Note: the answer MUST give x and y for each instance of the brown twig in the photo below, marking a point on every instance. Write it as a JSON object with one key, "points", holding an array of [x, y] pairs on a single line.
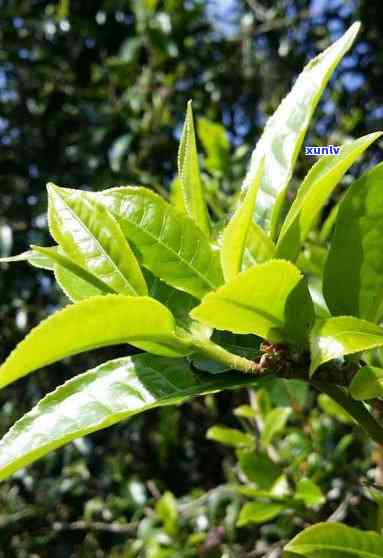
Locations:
{"points": [[118, 528]]}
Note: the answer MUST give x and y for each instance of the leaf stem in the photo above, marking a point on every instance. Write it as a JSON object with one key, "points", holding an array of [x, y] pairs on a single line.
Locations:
{"points": [[356, 409], [218, 353]]}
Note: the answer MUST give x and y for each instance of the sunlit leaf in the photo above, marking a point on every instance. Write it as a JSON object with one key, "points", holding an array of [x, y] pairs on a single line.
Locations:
{"points": [[112, 392], [92, 238], [353, 277], [167, 242], [367, 383], [282, 138], [259, 247], [245, 411], [275, 423], [216, 143], [332, 409], [309, 493], [314, 192], [259, 512], [73, 286], [32, 257], [189, 174], [333, 540], [335, 337], [235, 234], [270, 300], [68, 274], [167, 510], [230, 437], [93, 323], [176, 196]]}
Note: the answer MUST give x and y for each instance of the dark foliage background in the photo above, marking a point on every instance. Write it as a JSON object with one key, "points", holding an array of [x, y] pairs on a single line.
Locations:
{"points": [[92, 95]]}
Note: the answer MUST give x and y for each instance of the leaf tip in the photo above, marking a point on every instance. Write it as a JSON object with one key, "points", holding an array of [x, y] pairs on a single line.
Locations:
{"points": [[51, 187]]}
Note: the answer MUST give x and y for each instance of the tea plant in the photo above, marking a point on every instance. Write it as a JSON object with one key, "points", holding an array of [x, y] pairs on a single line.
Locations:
{"points": [[176, 284]]}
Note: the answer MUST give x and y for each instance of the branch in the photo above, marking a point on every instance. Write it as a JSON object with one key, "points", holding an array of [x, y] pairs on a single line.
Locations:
{"points": [[118, 528], [356, 409], [278, 359], [329, 378]]}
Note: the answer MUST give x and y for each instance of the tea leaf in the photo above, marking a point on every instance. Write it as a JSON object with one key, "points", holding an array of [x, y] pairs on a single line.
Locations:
{"points": [[235, 234], [367, 383], [270, 300], [333, 540], [93, 239], [314, 192], [167, 242], [96, 322], [110, 393], [283, 135], [335, 337], [189, 174], [353, 276]]}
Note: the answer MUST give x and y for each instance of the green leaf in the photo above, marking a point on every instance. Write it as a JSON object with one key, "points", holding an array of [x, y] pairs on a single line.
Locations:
{"points": [[259, 468], [189, 174], [333, 409], [353, 277], [179, 303], [167, 242], [314, 192], [259, 247], [258, 512], [329, 222], [335, 337], [166, 509], [367, 383], [112, 392], [275, 423], [74, 286], [216, 143], [309, 493], [235, 234], [287, 393], [230, 437], [93, 323], [92, 238], [176, 195], [92, 285], [315, 289], [245, 411], [37, 260], [76, 282], [270, 300], [283, 135], [333, 540]]}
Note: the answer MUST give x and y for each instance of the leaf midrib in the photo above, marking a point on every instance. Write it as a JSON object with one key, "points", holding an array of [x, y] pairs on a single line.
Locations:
{"points": [[171, 250], [108, 257], [161, 340], [183, 394], [253, 309]]}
